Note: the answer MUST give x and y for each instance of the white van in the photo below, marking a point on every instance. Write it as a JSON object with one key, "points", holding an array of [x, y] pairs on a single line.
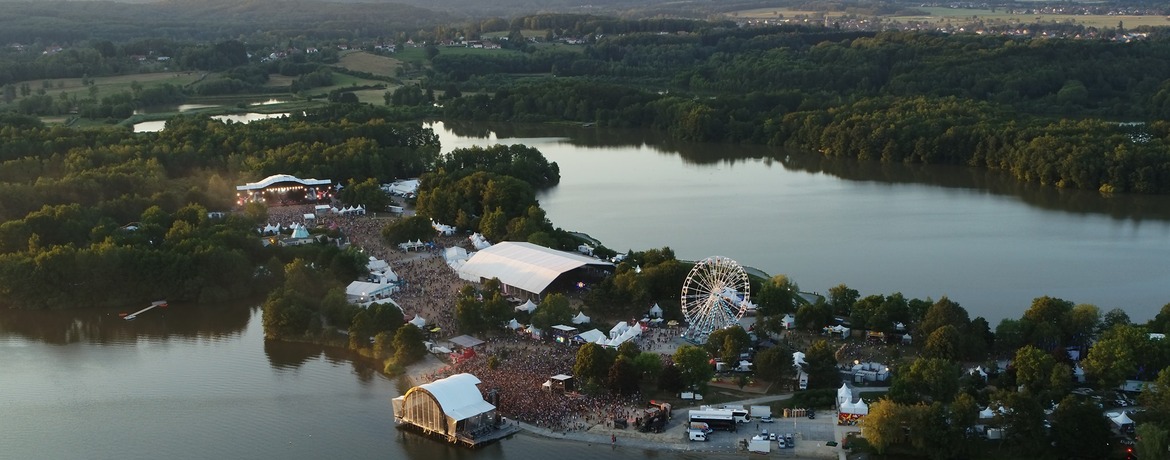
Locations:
{"points": [[696, 435]]}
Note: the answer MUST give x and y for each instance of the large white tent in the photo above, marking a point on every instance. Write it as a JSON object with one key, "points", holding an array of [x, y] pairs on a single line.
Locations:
{"points": [[655, 311], [618, 330], [591, 336], [1120, 419], [844, 395], [580, 318], [362, 291], [525, 266], [528, 306], [418, 321]]}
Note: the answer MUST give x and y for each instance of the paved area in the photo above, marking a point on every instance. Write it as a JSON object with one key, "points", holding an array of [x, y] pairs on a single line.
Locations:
{"points": [[810, 435]]}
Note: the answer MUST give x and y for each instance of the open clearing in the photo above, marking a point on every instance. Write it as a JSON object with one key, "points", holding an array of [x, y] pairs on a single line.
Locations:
{"points": [[964, 16], [967, 16], [783, 13], [362, 61], [110, 85]]}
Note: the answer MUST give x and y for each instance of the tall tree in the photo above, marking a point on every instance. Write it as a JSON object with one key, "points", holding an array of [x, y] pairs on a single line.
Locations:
{"points": [[693, 366], [1112, 359], [774, 365], [554, 309], [1153, 441], [408, 345], [593, 363], [1033, 368], [1080, 430], [882, 427], [649, 364], [842, 298], [943, 343], [821, 366], [623, 377]]}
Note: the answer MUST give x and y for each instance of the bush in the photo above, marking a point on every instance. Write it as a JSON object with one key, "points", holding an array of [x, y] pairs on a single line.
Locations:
{"points": [[813, 398]]}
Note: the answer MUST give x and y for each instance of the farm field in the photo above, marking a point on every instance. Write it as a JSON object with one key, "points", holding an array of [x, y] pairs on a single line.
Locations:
{"points": [[781, 13], [110, 85], [962, 16], [527, 33], [362, 61], [966, 16]]}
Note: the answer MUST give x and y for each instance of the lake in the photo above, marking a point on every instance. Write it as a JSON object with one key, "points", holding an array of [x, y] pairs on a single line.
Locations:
{"points": [[977, 236], [202, 383]]}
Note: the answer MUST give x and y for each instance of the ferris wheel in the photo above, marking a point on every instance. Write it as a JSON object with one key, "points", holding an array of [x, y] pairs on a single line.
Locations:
{"points": [[714, 296]]}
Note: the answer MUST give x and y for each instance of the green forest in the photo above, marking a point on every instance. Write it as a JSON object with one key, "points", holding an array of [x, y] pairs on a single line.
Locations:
{"points": [[110, 217], [1065, 113]]}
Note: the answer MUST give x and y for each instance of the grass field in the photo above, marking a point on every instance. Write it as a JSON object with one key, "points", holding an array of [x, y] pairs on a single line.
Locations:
{"points": [[966, 16], [962, 16], [362, 61], [527, 33], [782, 13], [110, 85], [279, 80]]}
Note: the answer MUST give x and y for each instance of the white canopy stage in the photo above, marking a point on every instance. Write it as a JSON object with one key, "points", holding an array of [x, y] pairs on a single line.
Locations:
{"points": [[524, 266], [465, 341], [450, 407], [402, 187], [513, 324], [1120, 419], [418, 321]]}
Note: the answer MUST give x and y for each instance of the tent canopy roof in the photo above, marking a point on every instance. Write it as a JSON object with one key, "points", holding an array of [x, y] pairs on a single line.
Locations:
{"points": [[466, 341], [458, 396], [279, 178], [524, 265]]}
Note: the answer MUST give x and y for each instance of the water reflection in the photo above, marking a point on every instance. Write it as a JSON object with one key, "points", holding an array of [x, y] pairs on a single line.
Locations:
{"points": [[1126, 207], [104, 326], [290, 355]]}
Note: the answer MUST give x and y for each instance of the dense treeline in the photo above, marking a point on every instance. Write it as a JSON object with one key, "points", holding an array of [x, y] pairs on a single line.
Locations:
{"points": [[997, 102], [113, 217], [60, 21], [102, 57]]}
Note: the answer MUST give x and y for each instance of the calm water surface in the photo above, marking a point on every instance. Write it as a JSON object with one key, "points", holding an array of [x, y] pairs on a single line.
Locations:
{"points": [[158, 125], [977, 236], [202, 383]]}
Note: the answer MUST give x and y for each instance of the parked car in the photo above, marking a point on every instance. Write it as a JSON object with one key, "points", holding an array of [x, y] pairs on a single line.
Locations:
{"points": [[780, 444], [772, 437], [766, 419], [788, 440], [812, 414]]}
